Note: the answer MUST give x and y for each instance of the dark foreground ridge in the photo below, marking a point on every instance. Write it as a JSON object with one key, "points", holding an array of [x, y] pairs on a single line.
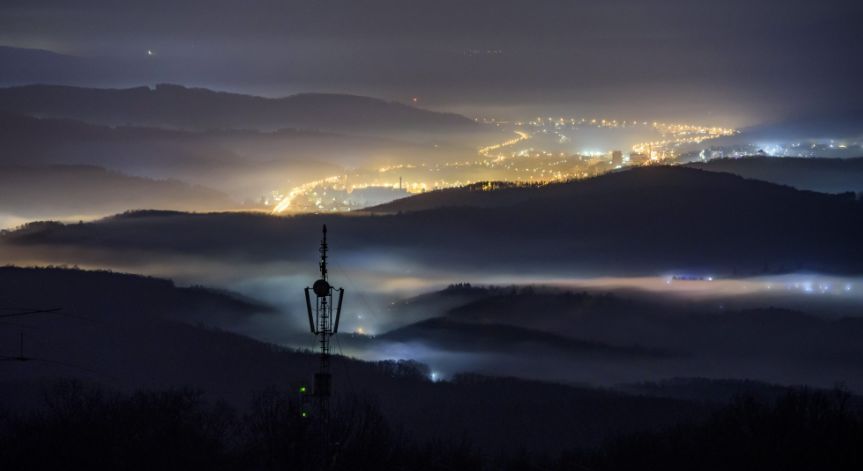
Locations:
{"points": [[88, 428]]}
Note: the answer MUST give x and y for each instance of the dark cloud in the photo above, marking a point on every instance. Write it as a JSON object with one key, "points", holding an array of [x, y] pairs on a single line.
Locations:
{"points": [[633, 57]]}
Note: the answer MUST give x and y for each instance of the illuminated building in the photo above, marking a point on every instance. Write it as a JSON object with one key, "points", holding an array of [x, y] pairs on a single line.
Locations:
{"points": [[616, 158]]}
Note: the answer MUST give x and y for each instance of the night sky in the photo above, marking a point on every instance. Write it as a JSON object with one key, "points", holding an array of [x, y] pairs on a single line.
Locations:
{"points": [[733, 61]]}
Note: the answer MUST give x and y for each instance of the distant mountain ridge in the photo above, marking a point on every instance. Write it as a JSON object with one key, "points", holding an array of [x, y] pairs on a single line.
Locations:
{"points": [[242, 163], [167, 105]]}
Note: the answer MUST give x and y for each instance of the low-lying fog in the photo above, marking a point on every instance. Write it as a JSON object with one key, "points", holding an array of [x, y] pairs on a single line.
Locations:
{"points": [[566, 326], [664, 326], [369, 298], [785, 329]]}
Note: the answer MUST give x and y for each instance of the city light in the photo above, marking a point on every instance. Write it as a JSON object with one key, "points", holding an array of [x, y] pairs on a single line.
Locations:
{"points": [[514, 160]]}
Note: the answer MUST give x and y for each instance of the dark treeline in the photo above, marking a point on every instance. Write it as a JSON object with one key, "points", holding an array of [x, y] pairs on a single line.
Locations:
{"points": [[81, 427], [801, 430]]}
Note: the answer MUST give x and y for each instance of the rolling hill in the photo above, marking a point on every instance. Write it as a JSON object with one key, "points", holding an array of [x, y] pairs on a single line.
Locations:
{"points": [[242, 163], [641, 221]]}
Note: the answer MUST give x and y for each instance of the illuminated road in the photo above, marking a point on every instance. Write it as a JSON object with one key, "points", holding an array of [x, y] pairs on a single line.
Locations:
{"points": [[520, 136]]}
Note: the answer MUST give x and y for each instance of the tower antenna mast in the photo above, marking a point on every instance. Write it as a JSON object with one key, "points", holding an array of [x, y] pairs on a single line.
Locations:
{"points": [[324, 325]]}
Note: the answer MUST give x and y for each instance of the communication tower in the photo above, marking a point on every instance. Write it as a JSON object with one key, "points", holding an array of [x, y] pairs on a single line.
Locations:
{"points": [[324, 325]]}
